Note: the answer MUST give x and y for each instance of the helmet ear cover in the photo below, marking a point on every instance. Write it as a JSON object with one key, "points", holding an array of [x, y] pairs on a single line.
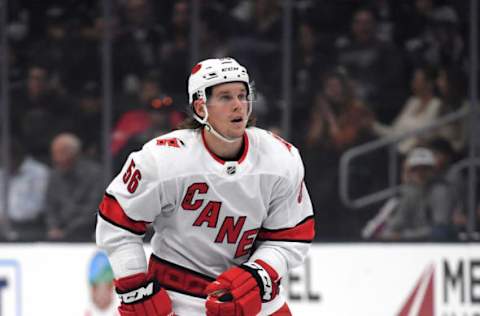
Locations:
{"points": [[196, 96]]}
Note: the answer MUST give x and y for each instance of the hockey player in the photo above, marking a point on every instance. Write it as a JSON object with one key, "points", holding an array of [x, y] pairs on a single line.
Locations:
{"points": [[228, 204]]}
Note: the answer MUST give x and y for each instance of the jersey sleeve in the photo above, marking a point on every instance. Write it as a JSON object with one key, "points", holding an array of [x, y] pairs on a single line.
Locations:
{"points": [[286, 234], [132, 201]]}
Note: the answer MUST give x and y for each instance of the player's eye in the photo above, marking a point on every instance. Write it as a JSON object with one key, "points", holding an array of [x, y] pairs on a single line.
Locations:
{"points": [[225, 97]]}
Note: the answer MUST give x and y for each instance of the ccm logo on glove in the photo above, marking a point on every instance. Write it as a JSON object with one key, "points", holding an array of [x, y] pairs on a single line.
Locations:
{"points": [[263, 279], [141, 295], [137, 294]]}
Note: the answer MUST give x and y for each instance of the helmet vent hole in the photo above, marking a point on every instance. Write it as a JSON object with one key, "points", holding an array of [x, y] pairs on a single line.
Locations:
{"points": [[224, 77]]}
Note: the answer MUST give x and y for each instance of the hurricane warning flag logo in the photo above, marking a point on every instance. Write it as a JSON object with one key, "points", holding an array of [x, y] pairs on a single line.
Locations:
{"points": [[421, 300]]}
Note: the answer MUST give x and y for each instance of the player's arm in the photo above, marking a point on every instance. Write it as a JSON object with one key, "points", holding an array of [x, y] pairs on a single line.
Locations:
{"points": [[132, 201], [287, 233], [281, 245]]}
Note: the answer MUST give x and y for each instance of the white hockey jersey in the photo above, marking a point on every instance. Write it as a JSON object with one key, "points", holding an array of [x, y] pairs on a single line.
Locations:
{"points": [[208, 214]]}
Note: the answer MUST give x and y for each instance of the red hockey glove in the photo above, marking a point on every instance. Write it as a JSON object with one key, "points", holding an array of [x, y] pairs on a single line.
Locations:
{"points": [[241, 290], [142, 297]]}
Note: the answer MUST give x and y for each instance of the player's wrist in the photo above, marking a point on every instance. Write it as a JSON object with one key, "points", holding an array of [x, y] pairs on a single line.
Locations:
{"points": [[140, 294], [136, 288], [265, 276]]}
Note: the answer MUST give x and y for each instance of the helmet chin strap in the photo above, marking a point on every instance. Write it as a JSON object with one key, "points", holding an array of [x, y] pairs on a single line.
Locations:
{"points": [[210, 128]]}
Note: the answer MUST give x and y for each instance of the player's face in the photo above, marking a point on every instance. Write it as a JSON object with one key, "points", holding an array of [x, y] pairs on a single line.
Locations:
{"points": [[228, 109]]}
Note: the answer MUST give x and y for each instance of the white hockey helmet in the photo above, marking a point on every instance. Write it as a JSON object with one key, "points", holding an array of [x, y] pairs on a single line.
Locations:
{"points": [[211, 72]]}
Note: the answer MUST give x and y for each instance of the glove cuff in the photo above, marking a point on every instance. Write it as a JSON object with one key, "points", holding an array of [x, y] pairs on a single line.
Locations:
{"points": [[136, 288], [271, 271], [265, 277]]}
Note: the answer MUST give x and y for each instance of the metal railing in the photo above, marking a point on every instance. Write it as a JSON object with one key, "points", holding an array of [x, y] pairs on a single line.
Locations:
{"points": [[393, 185], [470, 163]]}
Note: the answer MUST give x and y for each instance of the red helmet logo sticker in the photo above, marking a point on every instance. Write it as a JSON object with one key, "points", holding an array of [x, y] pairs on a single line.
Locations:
{"points": [[196, 68]]}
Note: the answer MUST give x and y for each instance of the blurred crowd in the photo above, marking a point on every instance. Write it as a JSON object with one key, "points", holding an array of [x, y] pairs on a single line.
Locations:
{"points": [[362, 70]]}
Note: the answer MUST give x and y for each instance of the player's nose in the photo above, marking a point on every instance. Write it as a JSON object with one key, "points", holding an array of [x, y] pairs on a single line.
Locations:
{"points": [[238, 103]]}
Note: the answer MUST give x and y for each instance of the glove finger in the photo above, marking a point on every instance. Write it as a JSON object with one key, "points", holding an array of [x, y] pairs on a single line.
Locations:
{"points": [[125, 312], [250, 304], [162, 302], [217, 308], [245, 287], [132, 310], [240, 279], [150, 308], [227, 309], [141, 309], [216, 286]]}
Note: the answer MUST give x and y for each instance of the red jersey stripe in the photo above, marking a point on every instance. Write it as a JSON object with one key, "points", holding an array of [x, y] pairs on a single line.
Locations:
{"points": [[112, 212], [302, 232]]}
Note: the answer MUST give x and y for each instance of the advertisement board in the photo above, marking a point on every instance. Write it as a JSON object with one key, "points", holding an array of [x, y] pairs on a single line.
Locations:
{"points": [[336, 280], [388, 280]]}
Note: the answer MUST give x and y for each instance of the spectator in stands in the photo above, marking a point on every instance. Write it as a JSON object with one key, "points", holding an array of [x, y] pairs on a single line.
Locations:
{"points": [[338, 121], [74, 191], [139, 40], [102, 301], [425, 205], [444, 154], [176, 51], [256, 41], [433, 35], [310, 62], [138, 118], [134, 118], [37, 112], [385, 13], [451, 86], [161, 119], [375, 65], [26, 194], [421, 109], [55, 47], [88, 112]]}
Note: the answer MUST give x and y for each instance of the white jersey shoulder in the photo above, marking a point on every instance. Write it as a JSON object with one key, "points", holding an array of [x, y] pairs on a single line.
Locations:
{"points": [[275, 155], [173, 153]]}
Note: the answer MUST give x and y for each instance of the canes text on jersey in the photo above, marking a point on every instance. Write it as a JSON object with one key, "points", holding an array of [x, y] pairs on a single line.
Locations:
{"points": [[209, 214]]}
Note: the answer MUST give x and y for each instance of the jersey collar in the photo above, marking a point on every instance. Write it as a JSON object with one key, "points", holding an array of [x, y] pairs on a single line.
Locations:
{"points": [[220, 160]]}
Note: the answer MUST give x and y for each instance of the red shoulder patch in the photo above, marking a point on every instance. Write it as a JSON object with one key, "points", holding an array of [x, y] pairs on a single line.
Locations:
{"points": [[170, 142]]}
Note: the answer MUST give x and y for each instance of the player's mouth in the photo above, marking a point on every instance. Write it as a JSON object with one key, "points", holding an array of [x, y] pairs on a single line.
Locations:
{"points": [[237, 120]]}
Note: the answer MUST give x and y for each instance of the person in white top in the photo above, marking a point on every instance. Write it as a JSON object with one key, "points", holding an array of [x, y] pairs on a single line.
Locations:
{"points": [[26, 195], [420, 109], [227, 202]]}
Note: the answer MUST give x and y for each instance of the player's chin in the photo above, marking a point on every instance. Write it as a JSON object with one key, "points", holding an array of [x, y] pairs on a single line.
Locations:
{"points": [[237, 131]]}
